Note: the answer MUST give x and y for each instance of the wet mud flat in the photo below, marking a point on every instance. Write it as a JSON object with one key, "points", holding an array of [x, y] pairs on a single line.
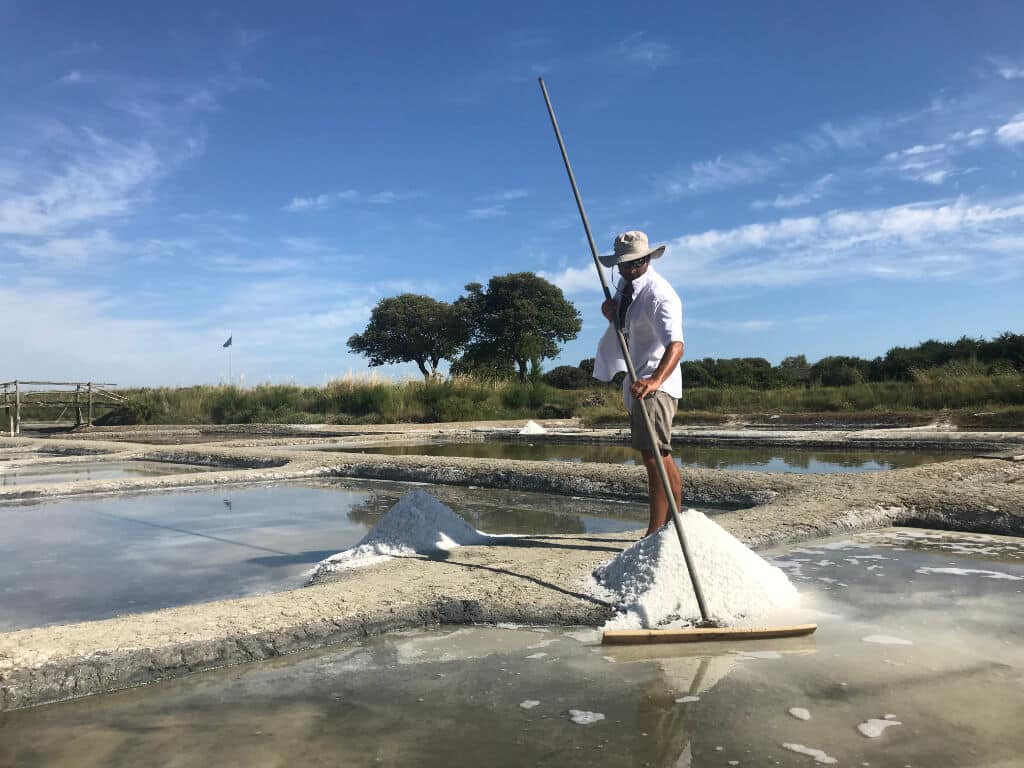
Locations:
{"points": [[538, 580], [914, 663]]}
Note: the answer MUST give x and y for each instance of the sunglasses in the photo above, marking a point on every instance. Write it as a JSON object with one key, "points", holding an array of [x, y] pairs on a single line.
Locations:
{"points": [[629, 266]]}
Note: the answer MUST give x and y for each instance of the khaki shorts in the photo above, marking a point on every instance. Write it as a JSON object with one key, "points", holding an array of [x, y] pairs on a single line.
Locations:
{"points": [[661, 407]]}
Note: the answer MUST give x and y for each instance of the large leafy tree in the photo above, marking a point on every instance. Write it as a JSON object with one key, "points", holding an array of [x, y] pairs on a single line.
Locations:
{"points": [[412, 328], [520, 318]]}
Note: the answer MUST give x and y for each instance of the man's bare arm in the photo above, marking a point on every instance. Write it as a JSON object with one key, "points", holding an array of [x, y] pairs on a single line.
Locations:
{"points": [[673, 354]]}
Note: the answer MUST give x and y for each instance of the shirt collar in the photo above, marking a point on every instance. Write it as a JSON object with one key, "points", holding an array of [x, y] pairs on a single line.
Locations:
{"points": [[640, 283]]}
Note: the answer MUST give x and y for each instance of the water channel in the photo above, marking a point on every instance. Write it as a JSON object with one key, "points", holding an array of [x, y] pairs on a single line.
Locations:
{"points": [[917, 662], [759, 458]]}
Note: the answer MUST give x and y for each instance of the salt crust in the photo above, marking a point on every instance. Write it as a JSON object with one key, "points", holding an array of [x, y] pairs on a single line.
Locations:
{"points": [[533, 428], [649, 585], [417, 524]]}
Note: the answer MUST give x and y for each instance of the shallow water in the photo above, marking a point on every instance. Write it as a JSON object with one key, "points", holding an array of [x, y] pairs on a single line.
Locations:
{"points": [[92, 470], [84, 559], [761, 459], [456, 697]]}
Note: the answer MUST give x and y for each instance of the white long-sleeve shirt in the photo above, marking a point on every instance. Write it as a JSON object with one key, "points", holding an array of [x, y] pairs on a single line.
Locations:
{"points": [[653, 321]]}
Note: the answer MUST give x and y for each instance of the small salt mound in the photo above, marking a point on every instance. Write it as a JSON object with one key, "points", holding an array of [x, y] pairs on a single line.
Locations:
{"points": [[532, 428], [417, 524], [651, 588]]}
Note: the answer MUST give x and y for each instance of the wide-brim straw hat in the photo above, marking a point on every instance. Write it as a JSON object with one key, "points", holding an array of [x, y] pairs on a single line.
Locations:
{"points": [[630, 246]]}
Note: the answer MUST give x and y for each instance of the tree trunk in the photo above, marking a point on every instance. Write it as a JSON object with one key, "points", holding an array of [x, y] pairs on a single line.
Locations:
{"points": [[423, 368], [522, 371]]}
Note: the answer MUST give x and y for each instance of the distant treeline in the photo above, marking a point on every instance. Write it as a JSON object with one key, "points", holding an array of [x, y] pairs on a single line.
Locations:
{"points": [[1003, 355]]}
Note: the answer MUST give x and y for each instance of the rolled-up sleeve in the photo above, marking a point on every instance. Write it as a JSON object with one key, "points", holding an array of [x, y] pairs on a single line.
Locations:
{"points": [[668, 319]]}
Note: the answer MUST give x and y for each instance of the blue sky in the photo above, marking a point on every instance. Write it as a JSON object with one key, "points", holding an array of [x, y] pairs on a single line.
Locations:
{"points": [[829, 180]]}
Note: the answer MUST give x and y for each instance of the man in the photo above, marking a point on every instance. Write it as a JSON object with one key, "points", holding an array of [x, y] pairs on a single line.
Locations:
{"points": [[651, 317]]}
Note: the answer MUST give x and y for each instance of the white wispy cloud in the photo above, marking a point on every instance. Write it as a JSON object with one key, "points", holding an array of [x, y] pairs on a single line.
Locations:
{"points": [[927, 240], [730, 325], [104, 178], [638, 50], [1007, 68], [487, 212], [322, 201], [508, 194], [723, 172], [326, 200], [69, 252], [811, 192], [1012, 132]]}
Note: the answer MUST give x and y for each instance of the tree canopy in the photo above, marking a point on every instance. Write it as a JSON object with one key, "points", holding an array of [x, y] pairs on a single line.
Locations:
{"points": [[520, 318], [412, 328]]}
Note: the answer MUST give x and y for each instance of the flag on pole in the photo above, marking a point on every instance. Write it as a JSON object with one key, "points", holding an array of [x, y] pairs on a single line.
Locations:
{"points": [[228, 342]]}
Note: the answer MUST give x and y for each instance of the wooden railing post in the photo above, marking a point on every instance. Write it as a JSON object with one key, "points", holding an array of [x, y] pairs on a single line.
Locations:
{"points": [[16, 425]]}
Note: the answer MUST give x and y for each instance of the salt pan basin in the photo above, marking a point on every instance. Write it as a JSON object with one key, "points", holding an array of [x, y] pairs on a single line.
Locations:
{"points": [[506, 696], [91, 558]]}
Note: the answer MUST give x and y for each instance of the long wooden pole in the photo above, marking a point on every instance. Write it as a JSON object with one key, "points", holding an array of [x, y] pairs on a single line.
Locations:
{"points": [[662, 474], [17, 406]]}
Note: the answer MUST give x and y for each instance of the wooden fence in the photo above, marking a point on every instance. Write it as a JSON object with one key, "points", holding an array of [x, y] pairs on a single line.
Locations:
{"points": [[82, 397]]}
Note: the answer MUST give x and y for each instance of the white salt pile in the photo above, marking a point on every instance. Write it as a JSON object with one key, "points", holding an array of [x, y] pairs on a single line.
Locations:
{"points": [[532, 428], [417, 524], [800, 713], [650, 586]]}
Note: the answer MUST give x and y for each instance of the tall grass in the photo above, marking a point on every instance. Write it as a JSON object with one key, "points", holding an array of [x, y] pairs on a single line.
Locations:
{"points": [[362, 401], [348, 401]]}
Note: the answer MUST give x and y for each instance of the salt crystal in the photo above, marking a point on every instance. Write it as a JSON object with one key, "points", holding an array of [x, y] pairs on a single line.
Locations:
{"points": [[873, 728], [818, 755], [687, 699], [540, 655], [582, 717], [529, 703], [800, 713]]}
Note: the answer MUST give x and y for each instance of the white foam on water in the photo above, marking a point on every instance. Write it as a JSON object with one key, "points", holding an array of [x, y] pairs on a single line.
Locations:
{"points": [[886, 640], [417, 524], [971, 572], [529, 703], [585, 636], [758, 654], [533, 428], [650, 586], [874, 727], [687, 699], [582, 717], [818, 754], [800, 713]]}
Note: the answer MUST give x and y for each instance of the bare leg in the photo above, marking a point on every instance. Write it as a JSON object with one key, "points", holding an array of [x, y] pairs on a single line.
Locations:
{"points": [[657, 500]]}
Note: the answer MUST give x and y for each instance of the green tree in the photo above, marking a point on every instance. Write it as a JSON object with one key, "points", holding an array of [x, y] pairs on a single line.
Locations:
{"points": [[412, 328], [520, 318]]}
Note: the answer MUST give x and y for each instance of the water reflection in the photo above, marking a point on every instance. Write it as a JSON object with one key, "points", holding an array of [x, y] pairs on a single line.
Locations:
{"points": [[99, 470], [763, 459], [87, 559]]}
